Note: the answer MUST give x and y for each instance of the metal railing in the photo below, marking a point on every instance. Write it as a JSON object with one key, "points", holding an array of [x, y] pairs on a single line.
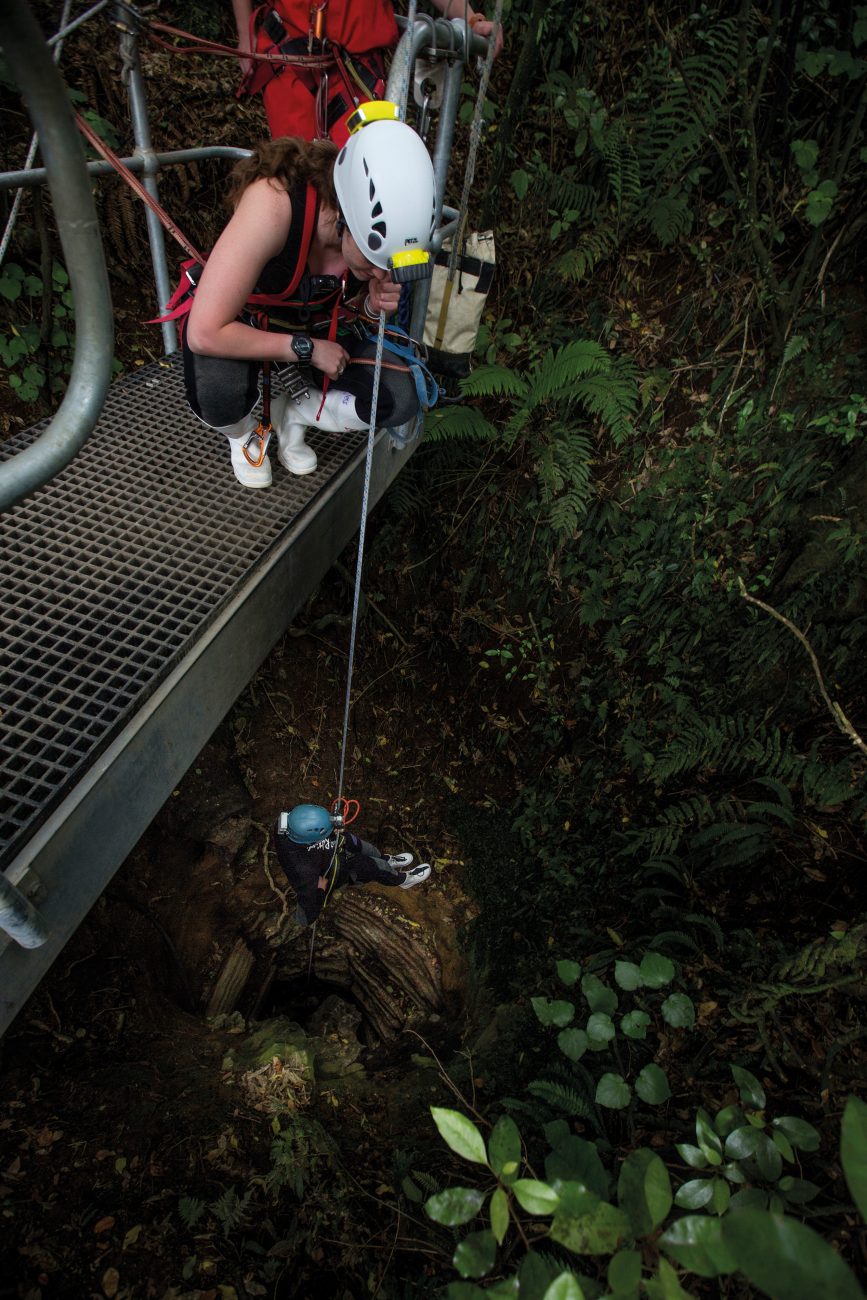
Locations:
{"points": [[447, 45]]}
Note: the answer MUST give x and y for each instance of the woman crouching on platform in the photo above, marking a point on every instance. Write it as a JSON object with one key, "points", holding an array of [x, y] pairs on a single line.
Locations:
{"points": [[353, 211]]}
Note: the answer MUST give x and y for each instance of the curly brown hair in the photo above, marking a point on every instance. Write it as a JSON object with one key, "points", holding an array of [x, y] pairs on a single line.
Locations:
{"points": [[290, 161]]}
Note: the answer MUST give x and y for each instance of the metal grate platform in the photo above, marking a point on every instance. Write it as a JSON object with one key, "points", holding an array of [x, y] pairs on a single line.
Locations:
{"points": [[112, 570]]}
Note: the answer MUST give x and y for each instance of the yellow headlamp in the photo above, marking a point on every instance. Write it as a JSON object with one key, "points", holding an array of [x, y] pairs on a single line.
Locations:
{"points": [[374, 110], [412, 264]]}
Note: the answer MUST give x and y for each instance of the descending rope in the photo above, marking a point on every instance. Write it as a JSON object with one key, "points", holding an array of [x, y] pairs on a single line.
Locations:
{"points": [[368, 465]]}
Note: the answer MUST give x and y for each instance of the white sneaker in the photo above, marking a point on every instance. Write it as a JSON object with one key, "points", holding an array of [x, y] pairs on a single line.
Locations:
{"points": [[416, 876], [252, 476], [400, 861]]}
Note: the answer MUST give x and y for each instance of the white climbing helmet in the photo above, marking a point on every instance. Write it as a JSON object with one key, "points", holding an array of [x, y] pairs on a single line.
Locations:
{"points": [[385, 185]]}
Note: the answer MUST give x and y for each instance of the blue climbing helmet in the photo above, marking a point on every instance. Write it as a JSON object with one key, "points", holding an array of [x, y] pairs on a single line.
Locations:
{"points": [[308, 823]]}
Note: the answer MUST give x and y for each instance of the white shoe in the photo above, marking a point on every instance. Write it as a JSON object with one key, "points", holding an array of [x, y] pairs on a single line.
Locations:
{"points": [[291, 420], [247, 475], [251, 476], [416, 876], [400, 861]]}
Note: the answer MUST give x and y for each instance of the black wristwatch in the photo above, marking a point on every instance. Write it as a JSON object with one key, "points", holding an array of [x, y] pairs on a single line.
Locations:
{"points": [[302, 346]]}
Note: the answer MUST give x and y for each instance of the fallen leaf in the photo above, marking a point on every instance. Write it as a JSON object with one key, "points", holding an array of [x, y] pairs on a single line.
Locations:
{"points": [[132, 1235], [104, 1225], [110, 1282]]}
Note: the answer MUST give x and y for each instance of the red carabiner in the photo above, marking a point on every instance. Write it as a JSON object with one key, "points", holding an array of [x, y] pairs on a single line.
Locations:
{"points": [[346, 809]]}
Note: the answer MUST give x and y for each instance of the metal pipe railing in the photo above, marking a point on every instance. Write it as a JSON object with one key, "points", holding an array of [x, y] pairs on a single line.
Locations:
{"points": [[42, 90]]}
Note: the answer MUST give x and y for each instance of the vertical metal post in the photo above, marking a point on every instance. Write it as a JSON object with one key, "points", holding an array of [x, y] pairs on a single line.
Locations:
{"points": [[132, 76]]}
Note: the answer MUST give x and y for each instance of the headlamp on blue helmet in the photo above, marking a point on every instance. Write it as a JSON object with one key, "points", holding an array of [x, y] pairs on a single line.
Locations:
{"points": [[307, 823]]}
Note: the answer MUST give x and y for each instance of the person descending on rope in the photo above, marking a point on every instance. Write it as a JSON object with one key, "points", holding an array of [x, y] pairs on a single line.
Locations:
{"points": [[317, 859], [358, 215]]}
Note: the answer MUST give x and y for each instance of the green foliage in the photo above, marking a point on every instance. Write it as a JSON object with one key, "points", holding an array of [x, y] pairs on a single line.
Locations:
{"points": [[776, 1253], [36, 346]]}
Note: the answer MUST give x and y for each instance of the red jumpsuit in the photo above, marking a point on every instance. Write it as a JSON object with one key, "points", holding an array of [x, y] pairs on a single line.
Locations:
{"points": [[364, 28]]}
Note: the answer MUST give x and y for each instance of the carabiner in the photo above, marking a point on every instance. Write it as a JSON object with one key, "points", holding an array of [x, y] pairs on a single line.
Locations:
{"points": [[263, 437]]}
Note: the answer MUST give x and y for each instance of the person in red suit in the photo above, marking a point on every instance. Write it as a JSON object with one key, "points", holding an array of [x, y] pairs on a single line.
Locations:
{"points": [[361, 32]]}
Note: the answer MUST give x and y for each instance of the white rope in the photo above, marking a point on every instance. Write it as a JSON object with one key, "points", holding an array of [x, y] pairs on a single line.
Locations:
{"points": [[403, 97], [380, 339]]}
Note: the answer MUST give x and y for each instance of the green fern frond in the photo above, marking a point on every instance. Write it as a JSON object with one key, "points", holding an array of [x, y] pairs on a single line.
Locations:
{"points": [[458, 422], [710, 924], [669, 217], [537, 1114], [592, 248], [666, 937], [565, 194], [557, 374], [493, 380], [613, 398], [560, 1097]]}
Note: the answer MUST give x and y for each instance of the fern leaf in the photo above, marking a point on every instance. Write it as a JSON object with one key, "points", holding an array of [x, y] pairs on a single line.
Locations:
{"points": [[488, 381], [560, 1097], [458, 422]]}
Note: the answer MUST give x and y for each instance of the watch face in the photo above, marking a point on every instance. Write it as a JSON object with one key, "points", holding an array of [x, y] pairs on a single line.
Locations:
{"points": [[302, 346]]}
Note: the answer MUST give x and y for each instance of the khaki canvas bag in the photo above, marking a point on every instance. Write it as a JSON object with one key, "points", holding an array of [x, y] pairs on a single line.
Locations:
{"points": [[453, 317]]}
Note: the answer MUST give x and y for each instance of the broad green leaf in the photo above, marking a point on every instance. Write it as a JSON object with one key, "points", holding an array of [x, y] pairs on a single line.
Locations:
{"points": [[752, 1092], [460, 1134], [751, 1198], [499, 1215], [801, 1134], [534, 1196], [454, 1206], [535, 1275], [797, 1191], [558, 1012], [656, 970], [786, 1259], [463, 1291], [806, 153], [624, 1270], [820, 201], [853, 1151], [504, 1148], [722, 1195], [555, 1131], [599, 996], [574, 1197], [652, 1085], [573, 1043], [568, 972], [783, 1145], [598, 1233], [696, 1242], [627, 975], [476, 1254], [693, 1156], [753, 1145], [678, 1011], [728, 1119], [505, 1289], [694, 1194], [707, 1137], [564, 1287], [574, 1159], [666, 1284], [644, 1190], [613, 1092], [520, 182], [600, 1029], [634, 1024]]}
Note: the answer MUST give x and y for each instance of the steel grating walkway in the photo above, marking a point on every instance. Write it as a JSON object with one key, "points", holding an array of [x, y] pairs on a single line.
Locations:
{"points": [[140, 590]]}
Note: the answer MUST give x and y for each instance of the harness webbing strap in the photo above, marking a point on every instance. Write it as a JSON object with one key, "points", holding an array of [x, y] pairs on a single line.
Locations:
{"points": [[133, 181]]}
